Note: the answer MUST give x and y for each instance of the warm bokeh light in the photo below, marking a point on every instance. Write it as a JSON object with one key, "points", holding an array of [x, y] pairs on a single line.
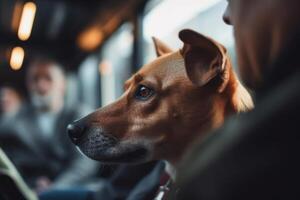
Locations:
{"points": [[105, 67], [27, 20], [90, 39], [16, 58]]}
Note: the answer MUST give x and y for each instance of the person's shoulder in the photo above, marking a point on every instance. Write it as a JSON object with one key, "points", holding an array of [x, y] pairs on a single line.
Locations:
{"points": [[242, 141]]}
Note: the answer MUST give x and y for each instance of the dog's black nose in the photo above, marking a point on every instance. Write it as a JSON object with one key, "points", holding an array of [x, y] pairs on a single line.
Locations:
{"points": [[75, 131]]}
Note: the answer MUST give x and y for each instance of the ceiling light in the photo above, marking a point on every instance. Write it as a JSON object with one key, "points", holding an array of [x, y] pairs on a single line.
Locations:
{"points": [[26, 21], [16, 58]]}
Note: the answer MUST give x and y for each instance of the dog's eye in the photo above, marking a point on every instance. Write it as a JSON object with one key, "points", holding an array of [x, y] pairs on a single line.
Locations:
{"points": [[143, 93]]}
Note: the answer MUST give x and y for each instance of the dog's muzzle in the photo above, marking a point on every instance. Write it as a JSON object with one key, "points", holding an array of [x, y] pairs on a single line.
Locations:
{"points": [[91, 140], [99, 145]]}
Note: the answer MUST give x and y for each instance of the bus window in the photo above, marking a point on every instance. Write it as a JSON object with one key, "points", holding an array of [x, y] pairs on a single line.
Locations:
{"points": [[88, 79], [115, 63], [202, 16]]}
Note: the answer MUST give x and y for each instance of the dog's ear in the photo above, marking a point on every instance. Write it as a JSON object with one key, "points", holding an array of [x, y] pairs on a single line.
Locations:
{"points": [[160, 47], [204, 58]]}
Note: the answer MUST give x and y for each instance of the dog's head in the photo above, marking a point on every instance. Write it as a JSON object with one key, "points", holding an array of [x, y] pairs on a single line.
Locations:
{"points": [[165, 106]]}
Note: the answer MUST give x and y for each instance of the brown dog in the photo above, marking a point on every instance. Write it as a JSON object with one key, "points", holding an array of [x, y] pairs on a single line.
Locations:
{"points": [[166, 105]]}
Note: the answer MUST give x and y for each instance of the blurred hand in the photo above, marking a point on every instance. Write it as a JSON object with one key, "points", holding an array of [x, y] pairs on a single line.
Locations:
{"points": [[42, 184]]}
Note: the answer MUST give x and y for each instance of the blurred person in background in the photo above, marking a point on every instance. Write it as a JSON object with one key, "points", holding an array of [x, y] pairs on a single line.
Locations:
{"points": [[37, 142], [255, 155], [10, 103]]}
